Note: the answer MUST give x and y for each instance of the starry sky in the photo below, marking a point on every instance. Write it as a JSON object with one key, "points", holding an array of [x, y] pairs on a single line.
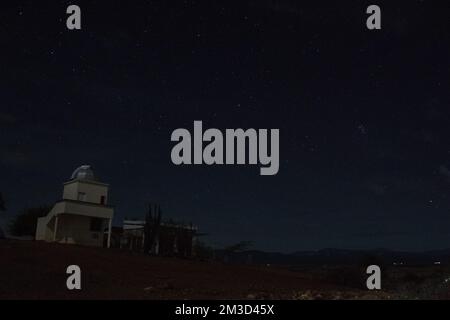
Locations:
{"points": [[363, 115]]}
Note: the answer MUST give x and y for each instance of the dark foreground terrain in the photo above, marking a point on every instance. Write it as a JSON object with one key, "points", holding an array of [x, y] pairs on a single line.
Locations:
{"points": [[36, 270]]}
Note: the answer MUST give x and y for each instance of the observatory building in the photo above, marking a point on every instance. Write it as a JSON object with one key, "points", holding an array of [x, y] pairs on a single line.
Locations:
{"points": [[83, 214]]}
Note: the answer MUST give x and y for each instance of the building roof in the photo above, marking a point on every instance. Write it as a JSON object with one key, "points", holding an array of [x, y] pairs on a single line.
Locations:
{"points": [[83, 172], [139, 224]]}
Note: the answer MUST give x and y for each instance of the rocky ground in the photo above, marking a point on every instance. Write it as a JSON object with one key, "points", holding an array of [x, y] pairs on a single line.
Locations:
{"points": [[36, 270]]}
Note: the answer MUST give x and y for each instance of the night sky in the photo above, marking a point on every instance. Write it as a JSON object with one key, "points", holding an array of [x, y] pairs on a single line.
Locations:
{"points": [[364, 116]]}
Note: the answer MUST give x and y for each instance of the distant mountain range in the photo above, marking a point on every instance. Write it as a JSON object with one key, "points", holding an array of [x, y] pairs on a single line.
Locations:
{"points": [[332, 256]]}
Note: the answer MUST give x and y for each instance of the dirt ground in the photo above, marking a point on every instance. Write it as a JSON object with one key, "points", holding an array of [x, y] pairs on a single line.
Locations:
{"points": [[37, 270]]}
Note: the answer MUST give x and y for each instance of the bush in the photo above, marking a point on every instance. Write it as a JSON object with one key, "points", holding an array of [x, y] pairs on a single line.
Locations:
{"points": [[346, 276], [202, 251]]}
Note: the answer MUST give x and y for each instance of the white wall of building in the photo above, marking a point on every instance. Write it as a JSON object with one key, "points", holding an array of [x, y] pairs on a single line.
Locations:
{"points": [[71, 217], [91, 191], [75, 229]]}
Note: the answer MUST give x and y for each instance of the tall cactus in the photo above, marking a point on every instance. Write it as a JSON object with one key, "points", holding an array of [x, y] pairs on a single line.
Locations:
{"points": [[151, 228]]}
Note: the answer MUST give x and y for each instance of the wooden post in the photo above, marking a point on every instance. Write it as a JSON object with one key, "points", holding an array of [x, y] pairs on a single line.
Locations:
{"points": [[109, 232], [55, 228]]}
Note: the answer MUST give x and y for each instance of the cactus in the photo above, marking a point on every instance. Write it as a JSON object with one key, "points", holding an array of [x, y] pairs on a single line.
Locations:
{"points": [[151, 228]]}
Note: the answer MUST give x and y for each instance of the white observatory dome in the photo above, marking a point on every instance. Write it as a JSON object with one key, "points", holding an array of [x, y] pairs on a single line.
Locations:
{"points": [[83, 173]]}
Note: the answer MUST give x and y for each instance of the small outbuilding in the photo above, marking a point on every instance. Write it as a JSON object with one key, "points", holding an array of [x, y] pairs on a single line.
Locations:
{"points": [[171, 238]]}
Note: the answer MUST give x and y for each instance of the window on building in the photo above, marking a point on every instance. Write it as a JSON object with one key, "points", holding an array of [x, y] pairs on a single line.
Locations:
{"points": [[81, 196], [102, 200], [96, 224]]}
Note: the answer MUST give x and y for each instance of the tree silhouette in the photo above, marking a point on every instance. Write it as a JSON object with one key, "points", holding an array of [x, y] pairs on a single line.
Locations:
{"points": [[239, 247], [24, 224]]}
